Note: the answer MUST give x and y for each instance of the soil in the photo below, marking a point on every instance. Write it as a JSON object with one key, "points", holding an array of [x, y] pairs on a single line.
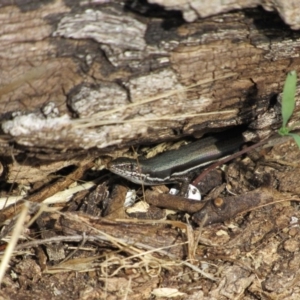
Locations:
{"points": [[90, 248]]}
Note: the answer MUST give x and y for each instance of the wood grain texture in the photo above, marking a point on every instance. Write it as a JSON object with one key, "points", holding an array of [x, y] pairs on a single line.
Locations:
{"points": [[106, 76], [191, 10]]}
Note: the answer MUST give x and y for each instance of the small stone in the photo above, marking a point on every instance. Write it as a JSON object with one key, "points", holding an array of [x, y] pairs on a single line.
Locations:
{"points": [[291, 245]]}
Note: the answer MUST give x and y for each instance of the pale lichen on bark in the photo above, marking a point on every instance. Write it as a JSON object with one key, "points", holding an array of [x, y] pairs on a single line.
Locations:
{"points": [[118, 77]]}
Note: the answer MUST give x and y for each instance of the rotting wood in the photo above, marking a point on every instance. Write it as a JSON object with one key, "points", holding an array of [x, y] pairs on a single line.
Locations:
{"points": [[221, 209], [191, 10], [254, 48], [131, 232], [234, 63], [173, 202]]}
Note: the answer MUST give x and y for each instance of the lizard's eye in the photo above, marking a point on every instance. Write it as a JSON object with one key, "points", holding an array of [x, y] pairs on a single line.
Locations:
{"points": [[130, 167]]}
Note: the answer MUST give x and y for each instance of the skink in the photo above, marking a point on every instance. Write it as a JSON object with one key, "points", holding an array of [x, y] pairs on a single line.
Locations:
{"points": [[176, 165]]}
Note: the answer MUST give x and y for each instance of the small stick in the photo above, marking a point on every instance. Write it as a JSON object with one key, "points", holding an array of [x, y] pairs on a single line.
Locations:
{"points": [[47, 191]]}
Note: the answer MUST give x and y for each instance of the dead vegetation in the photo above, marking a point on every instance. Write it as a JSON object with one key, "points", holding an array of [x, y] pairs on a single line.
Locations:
{"points": [[87, 249], [65, 232]]}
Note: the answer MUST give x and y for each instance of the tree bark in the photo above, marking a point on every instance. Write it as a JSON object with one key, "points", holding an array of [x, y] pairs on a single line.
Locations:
{"points": [[97, 76]]}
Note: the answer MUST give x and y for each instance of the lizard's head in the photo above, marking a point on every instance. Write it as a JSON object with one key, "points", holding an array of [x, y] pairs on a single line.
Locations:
{"points": [[127, 168]]}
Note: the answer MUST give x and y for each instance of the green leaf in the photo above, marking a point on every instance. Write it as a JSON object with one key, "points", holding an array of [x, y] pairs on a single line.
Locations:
{"points": [[296, 138], [284, 131], [288, 97]]}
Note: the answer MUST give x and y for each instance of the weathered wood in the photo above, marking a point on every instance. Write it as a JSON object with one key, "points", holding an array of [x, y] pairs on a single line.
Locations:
{"points": [[78, 80], [132, 233], [191, 10], [100, 76]]}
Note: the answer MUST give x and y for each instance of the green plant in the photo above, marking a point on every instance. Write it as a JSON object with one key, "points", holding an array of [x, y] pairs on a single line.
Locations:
{"points": [[288, 105]]}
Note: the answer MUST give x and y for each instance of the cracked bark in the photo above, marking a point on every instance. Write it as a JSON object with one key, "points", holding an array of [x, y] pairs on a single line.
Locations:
{"points": [[99, 77]]}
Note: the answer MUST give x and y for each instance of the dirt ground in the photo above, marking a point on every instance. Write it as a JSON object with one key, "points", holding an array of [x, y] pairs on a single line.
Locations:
{"points": [[89, 248]]}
